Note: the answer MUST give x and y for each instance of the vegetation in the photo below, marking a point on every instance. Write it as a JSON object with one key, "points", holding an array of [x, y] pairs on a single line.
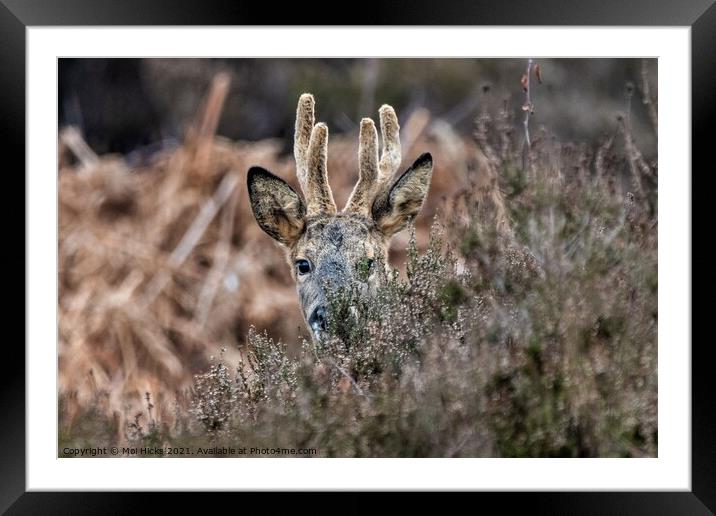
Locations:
{"points": [[527, 327]]}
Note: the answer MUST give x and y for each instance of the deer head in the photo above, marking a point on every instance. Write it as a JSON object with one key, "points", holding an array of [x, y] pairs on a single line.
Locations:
{"points": [[330, 250]]}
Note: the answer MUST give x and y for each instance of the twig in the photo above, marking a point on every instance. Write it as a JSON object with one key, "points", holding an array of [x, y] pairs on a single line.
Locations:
{"points": [[527, 107], [191, 237]]}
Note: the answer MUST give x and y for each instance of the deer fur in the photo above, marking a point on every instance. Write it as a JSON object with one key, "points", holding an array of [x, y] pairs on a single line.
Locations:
{"points": [[325, 247]]}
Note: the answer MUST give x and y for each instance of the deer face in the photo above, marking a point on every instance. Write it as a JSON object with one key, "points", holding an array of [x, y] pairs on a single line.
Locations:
{"points": [[334, 253], [330, 251]]}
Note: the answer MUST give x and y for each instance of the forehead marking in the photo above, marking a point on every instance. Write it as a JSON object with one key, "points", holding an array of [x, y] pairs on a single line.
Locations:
{"points": [[334, 234], [333, 230]]}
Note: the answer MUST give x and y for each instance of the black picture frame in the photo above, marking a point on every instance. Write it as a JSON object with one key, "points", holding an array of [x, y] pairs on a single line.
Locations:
{"points": [[17, 15]]}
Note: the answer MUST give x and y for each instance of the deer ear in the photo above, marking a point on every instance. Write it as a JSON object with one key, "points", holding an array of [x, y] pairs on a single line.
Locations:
{"points": [[393, 209], [278, 209]]}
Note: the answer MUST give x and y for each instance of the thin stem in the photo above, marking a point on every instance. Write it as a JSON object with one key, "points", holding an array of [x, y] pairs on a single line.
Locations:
{"points": [[528, 104]]}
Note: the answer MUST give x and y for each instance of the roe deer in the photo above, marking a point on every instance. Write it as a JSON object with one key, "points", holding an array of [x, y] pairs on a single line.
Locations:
{"points": [[328, 250]]}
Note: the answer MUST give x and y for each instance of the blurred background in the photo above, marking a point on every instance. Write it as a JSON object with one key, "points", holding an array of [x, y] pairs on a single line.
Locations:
{"points": [[122, 105], [162, 265]]}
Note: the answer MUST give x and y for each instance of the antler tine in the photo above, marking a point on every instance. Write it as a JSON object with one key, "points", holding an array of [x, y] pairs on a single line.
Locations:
{"points": [[373, 174], [358, 202], [390, 132], [302, 137], [310, 149], [319, 198]]}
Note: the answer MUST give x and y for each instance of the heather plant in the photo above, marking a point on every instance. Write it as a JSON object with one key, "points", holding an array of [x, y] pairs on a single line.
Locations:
{"points": [[214, 398]]}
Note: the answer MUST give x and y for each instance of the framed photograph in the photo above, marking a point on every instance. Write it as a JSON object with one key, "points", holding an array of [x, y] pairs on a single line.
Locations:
{"points": [[426, 251]]}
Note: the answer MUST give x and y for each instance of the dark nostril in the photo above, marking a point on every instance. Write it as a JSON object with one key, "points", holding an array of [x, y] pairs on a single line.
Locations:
{"points": [[317, 321]]}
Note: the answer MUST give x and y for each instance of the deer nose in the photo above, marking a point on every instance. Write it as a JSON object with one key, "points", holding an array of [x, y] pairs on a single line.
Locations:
{"points": [[318, 319]]}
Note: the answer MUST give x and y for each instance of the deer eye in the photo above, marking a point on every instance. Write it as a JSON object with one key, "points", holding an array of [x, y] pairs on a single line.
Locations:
{"points": [[303, 266]]}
